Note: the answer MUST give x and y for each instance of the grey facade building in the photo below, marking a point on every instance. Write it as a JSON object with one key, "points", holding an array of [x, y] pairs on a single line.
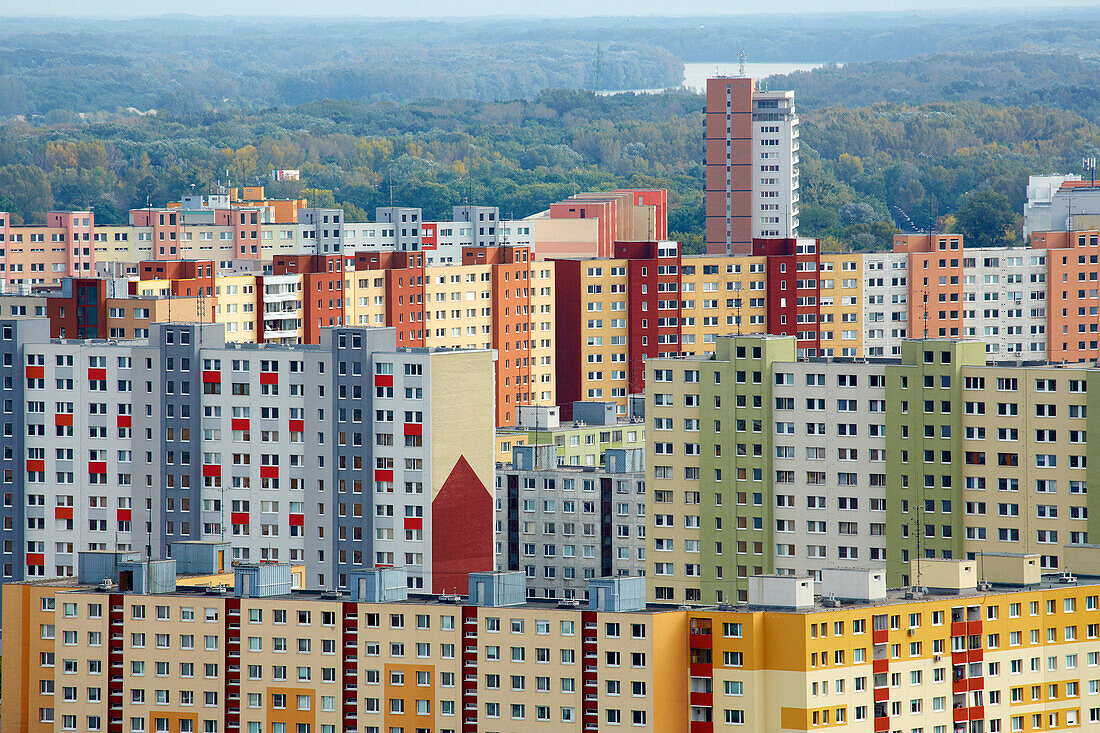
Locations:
{"points": [[328, 455], [484, 223], [320, 231], [408, 224], [564, 525]]}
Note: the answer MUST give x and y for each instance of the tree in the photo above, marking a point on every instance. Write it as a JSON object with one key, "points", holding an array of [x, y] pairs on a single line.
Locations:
{"points": [[985, 219], [814, 220], [857, 212], [911, 194], [320, 198], [29, 191], [691, 242]]}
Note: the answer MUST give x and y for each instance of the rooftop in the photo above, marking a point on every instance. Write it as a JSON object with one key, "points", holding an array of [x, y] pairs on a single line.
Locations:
{"points": [[907, 596], [821, 604], [571, 469]]}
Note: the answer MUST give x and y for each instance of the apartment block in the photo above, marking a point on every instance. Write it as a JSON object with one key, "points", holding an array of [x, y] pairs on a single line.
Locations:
{"points": [[134, 445], [596, 428], [377, 660], [564, 525], [652, 302], [967, 655], [1061, 203], [762, 462], [497, 298], [751, 145]]}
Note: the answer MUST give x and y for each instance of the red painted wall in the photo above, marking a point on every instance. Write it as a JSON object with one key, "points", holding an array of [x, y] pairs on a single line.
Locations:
{"points": [[567, 345], [739, 165], [783, 292], [462, 530]]}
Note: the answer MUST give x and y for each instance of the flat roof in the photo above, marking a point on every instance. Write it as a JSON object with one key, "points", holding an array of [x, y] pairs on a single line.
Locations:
{"points": [[893, 598], [902, 596]]}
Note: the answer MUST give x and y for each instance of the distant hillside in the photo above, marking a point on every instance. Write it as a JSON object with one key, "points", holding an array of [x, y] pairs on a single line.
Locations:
{"points": [[1062, 80]]}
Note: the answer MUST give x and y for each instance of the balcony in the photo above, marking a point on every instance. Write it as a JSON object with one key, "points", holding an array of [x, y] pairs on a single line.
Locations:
{"points": [[284, 308]]}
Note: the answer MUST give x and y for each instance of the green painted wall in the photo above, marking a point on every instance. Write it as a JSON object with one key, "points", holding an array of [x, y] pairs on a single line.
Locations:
{"points": [[742, 525], [924, 460]]}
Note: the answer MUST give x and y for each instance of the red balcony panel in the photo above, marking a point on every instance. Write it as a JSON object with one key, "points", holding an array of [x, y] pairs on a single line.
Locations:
{"points": [[975, 683], [63, 512], [702, 698], [383, 475], [269, 378], [383, 380], [959, 714], [701, 641], [211, 469], [699, 669], [124, 421], [211, 377], [297, 520], [239, 518], [63, 419], [959, 685], [977, 712], [123, 515], [975, 655], [414, 523], [880, 636], [97, 466], [414, 428], [95, 375], [297, 426], [880, 665], [974, 627], [882, 694], [36, 465], [36, 372], [240, 423], [958, 628], [702, 726], [882, 724], [36, 558], [269, 472]]}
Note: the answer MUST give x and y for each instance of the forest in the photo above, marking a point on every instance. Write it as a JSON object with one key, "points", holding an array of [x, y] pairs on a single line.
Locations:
{"points": [[945, 139]]}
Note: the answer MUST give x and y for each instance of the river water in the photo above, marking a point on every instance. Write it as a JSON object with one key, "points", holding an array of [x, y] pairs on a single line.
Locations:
{"points": [[696, 75]]}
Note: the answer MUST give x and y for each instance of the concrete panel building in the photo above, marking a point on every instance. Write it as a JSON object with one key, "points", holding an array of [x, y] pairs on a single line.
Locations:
{"points": [[793, 658], [751, 149], [563, 525], [135, 445], [759, 462]]}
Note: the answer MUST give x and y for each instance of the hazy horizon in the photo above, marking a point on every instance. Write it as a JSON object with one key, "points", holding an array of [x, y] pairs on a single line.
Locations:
{"points": [[446, 9]]}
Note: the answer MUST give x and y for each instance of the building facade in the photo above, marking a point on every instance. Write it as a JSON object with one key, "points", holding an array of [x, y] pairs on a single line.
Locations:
{"points": [[134, 445], [761, 462], [751, 153], [596, 428], [846, 654], [564, 525]]}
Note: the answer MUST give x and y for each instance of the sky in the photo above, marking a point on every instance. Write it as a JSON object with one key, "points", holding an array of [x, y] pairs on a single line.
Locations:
{"points": [[454, 8]]}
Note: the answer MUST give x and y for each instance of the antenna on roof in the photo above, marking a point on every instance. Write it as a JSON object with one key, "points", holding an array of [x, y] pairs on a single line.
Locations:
{"points": [[741, 63]]}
